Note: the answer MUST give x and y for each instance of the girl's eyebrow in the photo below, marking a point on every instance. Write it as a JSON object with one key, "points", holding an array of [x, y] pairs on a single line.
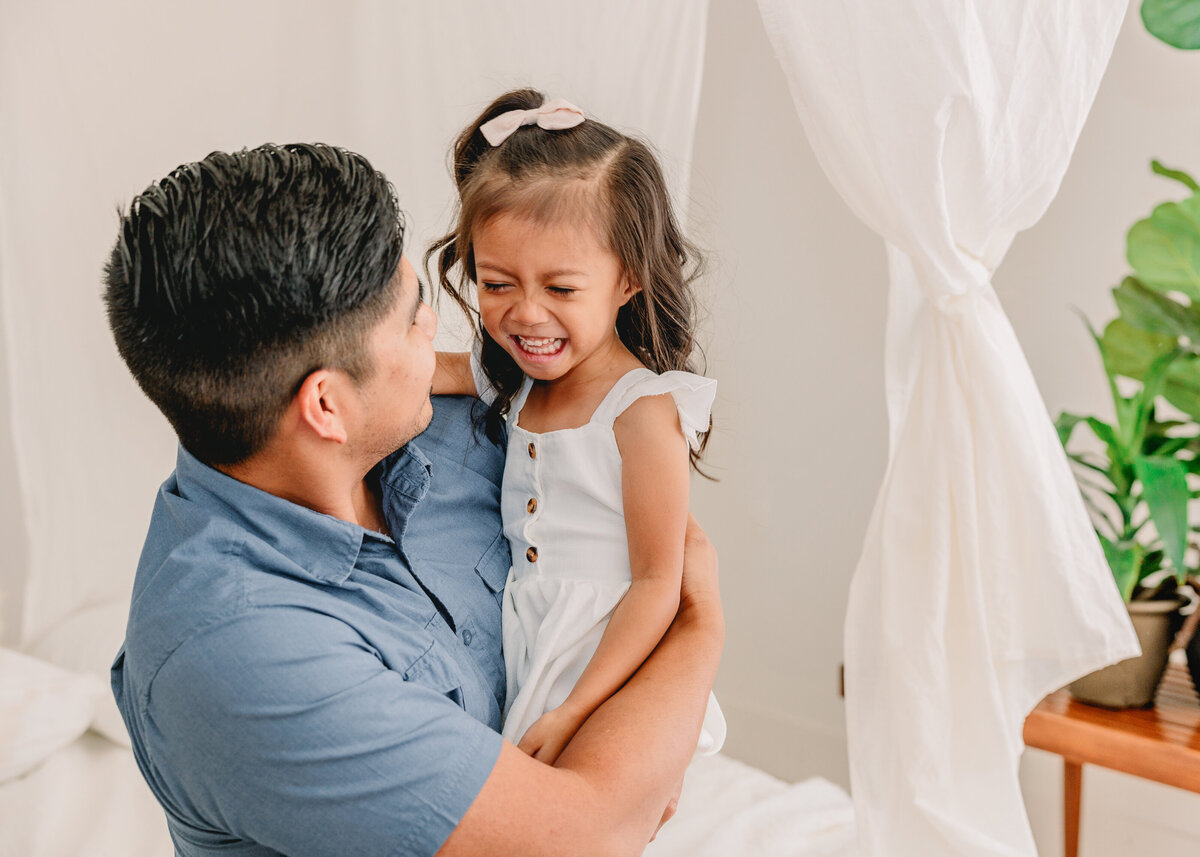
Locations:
{"points": [[557, 272]]}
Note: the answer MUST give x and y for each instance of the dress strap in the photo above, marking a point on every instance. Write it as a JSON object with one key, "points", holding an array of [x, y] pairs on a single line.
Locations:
{"points": [[518, 402], [693, 394]]}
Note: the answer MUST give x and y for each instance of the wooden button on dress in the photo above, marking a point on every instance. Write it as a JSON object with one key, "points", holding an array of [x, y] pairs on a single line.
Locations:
{"points": [[532, 450], [531, 554], [531, 506]]}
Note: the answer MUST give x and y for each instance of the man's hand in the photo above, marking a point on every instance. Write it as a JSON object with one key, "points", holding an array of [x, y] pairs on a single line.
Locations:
{"points": [[669, 812], [699, 588], [545, 739]]}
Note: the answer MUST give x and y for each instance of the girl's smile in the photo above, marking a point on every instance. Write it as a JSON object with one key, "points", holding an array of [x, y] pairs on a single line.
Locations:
{"points": [[540, 349]]}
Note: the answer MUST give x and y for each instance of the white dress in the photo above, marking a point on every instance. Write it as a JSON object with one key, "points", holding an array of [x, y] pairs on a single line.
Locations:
{"points": [[564, 520]]}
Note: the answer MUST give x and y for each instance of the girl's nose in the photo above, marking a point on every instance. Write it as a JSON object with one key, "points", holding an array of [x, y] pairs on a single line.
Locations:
{"points": [[528, 311]]}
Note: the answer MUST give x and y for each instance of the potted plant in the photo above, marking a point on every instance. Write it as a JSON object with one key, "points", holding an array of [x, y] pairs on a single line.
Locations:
{"points": [[1138, 480], [1137, 489]]}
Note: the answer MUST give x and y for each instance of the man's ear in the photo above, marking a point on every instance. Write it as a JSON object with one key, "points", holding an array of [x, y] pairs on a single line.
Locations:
{"points": [[320, 405]]}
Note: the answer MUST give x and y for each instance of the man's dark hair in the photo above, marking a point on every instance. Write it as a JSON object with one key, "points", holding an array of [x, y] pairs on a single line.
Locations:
{"points": [[235, 277]]}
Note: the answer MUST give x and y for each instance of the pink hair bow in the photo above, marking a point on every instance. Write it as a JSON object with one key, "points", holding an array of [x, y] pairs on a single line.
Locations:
{"points": [[555, 115]]}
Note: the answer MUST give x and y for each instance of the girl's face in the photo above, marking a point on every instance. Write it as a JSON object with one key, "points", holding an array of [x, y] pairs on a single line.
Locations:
{"points": [[549, 294]]}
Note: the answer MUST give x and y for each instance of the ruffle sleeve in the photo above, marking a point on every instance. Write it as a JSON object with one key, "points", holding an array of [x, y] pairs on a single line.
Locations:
{"points": [[693, 395]]}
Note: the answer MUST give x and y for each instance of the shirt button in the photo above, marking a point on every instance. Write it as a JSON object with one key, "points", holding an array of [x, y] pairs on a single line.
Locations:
{"points": [[532, 451], [531, 506], [467, 636], [531, 554]]}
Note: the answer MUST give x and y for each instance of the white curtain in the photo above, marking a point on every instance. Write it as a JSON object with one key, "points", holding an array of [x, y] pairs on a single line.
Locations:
{"points": [[98, 100], [947, 126]]}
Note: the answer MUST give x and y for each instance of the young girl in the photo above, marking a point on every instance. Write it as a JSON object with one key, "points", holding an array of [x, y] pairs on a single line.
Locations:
{"points": [[566, 231]]}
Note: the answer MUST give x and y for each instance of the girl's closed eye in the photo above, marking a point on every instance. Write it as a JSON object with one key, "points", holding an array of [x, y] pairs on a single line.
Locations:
{"points": [[561, 291], [493, 287]]}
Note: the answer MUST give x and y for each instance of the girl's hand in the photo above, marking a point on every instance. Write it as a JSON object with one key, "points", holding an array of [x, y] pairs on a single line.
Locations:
{"points": [[550, 733]]}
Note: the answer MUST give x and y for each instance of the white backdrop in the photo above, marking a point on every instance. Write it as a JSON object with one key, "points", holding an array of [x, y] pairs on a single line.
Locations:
{"points": [[98, 100]]}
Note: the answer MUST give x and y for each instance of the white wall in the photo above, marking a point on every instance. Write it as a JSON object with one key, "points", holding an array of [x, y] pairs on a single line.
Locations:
{"points": [[797, 298]]}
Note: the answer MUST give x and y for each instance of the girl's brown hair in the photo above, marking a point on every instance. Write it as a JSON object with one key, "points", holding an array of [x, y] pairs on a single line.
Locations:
{"points": [[600, 177]]}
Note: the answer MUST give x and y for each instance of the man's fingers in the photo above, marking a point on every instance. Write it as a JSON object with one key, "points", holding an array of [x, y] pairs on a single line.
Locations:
{"points": [[699, 565], [669, 812], [694, 534]]}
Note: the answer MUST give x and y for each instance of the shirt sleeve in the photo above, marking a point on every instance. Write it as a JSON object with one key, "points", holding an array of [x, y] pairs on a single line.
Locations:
{"points": [[285, 728]]}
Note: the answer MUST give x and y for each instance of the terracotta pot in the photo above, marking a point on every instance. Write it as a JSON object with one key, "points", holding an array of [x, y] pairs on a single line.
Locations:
{"points": [[1132, 683]]}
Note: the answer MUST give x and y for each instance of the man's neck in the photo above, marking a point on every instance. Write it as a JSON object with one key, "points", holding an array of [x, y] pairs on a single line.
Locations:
{"points": [[327, 484]]}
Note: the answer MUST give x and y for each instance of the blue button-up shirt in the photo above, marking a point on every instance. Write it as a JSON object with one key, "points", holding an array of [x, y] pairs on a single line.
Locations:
{"points": [[295, 684]]}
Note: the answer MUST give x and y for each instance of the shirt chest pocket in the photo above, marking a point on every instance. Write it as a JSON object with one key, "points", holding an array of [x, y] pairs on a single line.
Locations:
{"points": [[433, 670], [494, 565]]}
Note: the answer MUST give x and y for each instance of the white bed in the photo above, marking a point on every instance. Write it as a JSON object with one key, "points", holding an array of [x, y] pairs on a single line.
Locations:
{"points": [[86, 800]]}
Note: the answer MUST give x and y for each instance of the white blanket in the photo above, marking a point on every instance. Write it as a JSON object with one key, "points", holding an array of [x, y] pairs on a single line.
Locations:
{"points": [[730, 809], [86, 800]]}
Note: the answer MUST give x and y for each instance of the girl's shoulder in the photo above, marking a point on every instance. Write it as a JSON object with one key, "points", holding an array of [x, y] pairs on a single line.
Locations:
{"points": [[692, 396]]}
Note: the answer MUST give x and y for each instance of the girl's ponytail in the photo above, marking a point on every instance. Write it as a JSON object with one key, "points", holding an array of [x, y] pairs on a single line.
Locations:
{"points": [[470, 147]]}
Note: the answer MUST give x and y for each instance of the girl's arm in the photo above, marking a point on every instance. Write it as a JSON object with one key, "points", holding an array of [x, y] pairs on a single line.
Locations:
{"points": [[452, 377], [654, 483]]}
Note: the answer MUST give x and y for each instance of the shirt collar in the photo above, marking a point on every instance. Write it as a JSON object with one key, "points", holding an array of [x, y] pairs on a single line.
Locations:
{"points": [[321, 547]]}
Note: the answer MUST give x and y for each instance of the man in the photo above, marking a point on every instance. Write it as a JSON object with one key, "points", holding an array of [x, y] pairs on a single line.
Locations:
{"points": [[312, 663]]}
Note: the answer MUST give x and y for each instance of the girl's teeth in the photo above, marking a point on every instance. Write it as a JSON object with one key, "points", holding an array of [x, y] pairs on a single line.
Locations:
{"points": [[540, 345]]}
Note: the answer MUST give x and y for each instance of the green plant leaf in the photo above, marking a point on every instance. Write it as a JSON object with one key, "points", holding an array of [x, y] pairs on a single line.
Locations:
{"points": [[1153, 383], [1176, 22], [1065, 425], [1163, 428], [1104, 432], [1165, 490], [1155, 312], [1178, 175], [1151, 563], [1165, 446], [1129, 350], [1090, 465], [1164, 249], [1183, 385], [1125, 562]]}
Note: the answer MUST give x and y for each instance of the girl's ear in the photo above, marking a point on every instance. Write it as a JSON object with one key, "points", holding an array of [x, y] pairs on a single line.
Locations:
{"points": [[320, 405], [628, 288]]}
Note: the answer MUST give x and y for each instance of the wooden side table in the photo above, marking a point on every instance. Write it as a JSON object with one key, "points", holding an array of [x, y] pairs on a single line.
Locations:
{"points": [[1160, 743]]}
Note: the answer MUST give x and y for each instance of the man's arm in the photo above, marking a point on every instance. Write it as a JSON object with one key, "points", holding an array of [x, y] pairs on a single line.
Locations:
{"points": [[607, 792]]}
